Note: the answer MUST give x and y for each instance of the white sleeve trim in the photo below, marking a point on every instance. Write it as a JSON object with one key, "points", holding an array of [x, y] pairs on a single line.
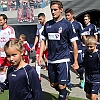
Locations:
{"points": [[74, 39], [95, 33]]}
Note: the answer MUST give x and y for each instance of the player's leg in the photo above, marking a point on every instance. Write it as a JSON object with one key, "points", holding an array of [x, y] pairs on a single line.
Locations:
{"points": [[87, 89], [38, 68], [80, 70], [45, 57], [62, 72]]}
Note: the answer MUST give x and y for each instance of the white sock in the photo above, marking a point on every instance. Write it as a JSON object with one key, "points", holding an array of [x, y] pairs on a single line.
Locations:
{"points": [[38, 68]]}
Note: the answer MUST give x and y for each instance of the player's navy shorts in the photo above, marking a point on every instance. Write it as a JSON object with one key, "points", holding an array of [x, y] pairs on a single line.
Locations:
{"points": [[80, 56], [58, 72], [92, 88]]}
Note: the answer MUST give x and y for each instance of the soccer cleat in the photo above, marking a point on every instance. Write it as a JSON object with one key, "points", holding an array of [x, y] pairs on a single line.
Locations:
{"points": [[82, 83]]}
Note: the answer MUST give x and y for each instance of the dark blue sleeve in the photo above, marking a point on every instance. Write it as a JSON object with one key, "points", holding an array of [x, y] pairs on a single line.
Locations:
{"points": [[35, 85], [80, 28], [72, 35], [44, 33]]}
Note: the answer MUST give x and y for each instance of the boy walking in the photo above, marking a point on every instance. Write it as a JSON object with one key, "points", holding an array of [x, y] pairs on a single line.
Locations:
{"points": [[92, 69]]}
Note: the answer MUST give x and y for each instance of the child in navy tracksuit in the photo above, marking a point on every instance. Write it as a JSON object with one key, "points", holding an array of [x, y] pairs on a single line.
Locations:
{"points": [[92, 68], [22, 80]]}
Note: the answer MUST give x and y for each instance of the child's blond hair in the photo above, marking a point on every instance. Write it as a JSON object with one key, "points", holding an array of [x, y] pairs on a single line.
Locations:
{"points": [[14, 43], [91, 40]]}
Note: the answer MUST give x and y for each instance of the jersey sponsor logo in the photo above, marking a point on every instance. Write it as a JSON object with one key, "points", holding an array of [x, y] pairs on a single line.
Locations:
{"points": [[60, 30], [90, 55], [49, 26], [63, 80], [54, 36], [13, 75]]}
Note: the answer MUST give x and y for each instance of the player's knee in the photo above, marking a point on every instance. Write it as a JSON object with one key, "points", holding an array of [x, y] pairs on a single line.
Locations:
{"points": [[62, 86]]}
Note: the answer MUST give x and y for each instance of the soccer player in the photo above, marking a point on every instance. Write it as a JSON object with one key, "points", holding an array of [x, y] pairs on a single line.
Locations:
{"points": [[90, 29], [22, 38], [92, 68], [77, 28], [22, 80], [59, 33], [40, 27], [6, 33]]}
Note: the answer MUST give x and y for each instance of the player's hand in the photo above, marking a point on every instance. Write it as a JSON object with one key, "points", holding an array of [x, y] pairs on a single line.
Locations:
{"points": [[75, 65], [39, 61], [33, 48]]}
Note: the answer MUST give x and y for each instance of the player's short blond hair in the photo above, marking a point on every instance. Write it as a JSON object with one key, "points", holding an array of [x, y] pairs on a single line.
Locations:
{"points": [[91, 40]]}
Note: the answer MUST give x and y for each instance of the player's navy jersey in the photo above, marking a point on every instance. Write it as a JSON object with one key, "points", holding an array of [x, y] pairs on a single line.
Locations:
{"points": [[92, 66], [77, 28], [17, 83], [98, 30], [59, 35], [90, 30]]}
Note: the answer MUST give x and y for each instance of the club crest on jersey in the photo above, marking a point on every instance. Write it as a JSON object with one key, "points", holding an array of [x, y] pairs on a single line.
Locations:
{"points": [[60, 30]]}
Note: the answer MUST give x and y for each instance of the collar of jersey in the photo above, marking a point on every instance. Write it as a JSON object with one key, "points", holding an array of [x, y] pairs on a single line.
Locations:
{"points": [[58, 20], [4, 28]]}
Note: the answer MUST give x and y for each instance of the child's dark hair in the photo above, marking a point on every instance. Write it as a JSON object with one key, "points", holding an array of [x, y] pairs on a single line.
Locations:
{"points": [[23, 36], [14, 43]]}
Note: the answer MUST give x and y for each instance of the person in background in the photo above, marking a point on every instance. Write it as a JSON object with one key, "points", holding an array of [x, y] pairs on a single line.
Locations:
{"points": [[90, 29], [26, 46], [22, 80], [77, 28], [38, 39], [59, 34], [6, 33], [91, 64]]}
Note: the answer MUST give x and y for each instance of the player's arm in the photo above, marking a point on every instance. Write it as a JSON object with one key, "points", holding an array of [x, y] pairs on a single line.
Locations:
{"points": [[35, 42], [84, 38], [96, 36], [42, 47], [75, 54], [12, 33], [95, 33]]}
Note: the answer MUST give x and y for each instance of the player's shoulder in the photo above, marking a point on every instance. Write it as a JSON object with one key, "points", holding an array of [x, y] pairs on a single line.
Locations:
{"points": [[10, 27], [29, 69]]}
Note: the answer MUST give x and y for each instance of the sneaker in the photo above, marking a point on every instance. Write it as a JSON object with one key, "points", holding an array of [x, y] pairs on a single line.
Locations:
{"points": [[82, 83]]}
